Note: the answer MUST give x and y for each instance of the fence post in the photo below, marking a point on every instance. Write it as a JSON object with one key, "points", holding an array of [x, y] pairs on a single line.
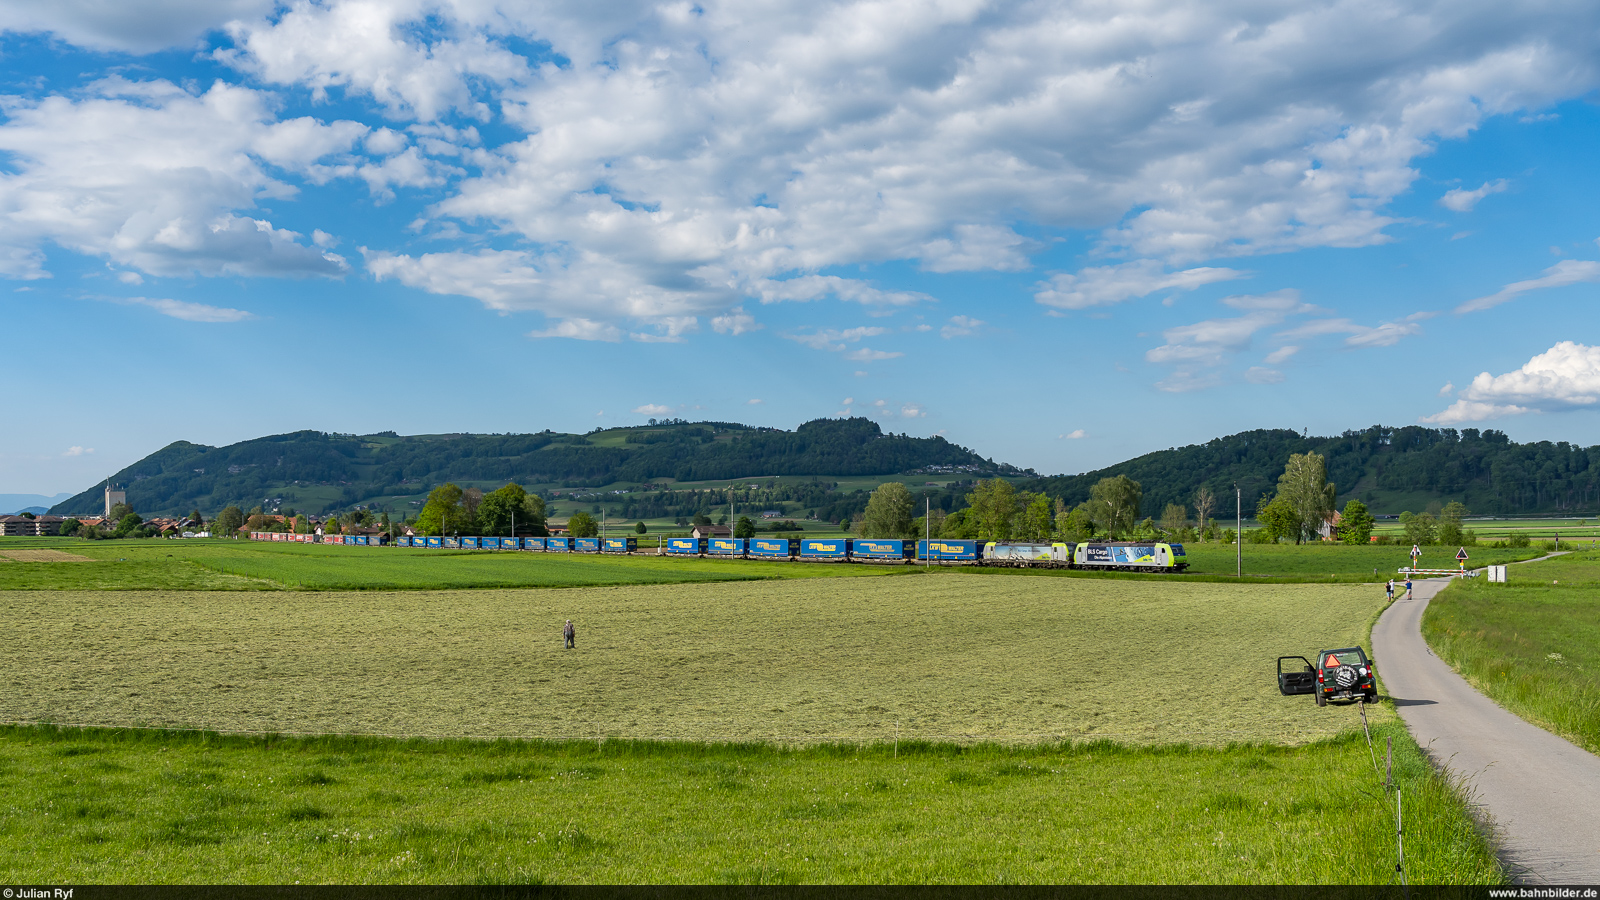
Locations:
{"points": [[1388, 764]]}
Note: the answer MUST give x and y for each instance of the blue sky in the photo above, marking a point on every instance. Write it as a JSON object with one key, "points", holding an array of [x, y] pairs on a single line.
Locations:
{"points": [[1060, 234]]}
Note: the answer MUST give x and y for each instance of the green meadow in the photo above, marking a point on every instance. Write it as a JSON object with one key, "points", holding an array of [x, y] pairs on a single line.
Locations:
{"points": [[104, 806], [1532, 644]]}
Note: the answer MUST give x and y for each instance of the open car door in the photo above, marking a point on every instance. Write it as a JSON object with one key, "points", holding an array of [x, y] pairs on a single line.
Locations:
{"points": [[1296, 679]]}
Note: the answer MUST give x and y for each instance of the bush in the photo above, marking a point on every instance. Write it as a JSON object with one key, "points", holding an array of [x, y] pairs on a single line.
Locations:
{"points": [[1517, 539], [1260, 536]]}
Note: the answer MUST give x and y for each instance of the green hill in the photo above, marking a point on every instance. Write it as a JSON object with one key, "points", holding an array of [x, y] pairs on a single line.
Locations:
{"points": [[315, 472], [1389, 469]]}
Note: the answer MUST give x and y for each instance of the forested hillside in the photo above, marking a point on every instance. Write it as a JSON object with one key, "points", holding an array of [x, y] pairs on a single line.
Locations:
{"points": [[1389, 469], [318, 471]]}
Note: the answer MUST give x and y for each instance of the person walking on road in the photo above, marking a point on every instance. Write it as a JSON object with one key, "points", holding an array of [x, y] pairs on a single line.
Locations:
{"points": [[1390, 590], [1408, 587], [571, 635]]}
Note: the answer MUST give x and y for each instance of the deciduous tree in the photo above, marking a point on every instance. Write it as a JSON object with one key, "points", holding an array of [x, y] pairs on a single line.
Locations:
{"points": [[1304, 486], [1034, 521], [499, 509], [442, 513], [1355, 523], [888, 512], [994, 504], [1114, 504], [582, 525]]}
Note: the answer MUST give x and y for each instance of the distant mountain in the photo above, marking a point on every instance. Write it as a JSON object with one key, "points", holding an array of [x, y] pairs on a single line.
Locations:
{"points": [[1389, 469], [12, 504], [314, 471]]}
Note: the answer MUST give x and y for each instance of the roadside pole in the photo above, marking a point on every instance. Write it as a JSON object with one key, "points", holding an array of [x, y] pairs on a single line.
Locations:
{"points": [[1238, 531]]}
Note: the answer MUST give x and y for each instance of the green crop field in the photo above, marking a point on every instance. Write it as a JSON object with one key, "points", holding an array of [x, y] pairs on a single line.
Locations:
{"points": [[1532, 644], [108, 807]]}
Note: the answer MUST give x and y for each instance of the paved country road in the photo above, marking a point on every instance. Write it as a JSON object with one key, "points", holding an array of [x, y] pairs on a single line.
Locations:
{"points": [[1541, 792]]}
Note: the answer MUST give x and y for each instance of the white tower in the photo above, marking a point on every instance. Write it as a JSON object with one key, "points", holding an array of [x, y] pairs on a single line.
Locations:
{"points": [[113, 497]]}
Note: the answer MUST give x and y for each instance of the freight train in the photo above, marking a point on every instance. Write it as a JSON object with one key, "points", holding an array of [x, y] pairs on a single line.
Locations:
{"points": [[1125, 556]]}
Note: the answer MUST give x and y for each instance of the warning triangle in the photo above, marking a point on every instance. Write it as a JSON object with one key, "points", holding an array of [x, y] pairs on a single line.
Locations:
{"points": [[1331, 662]]}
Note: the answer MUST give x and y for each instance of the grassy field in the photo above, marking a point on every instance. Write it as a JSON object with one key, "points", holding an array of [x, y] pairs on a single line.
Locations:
{"points": [[225, 565], [947, 657], [252, 565], [119, 807], [1532, 644]]}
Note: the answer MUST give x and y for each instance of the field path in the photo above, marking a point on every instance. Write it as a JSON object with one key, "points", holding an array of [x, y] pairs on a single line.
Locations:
{"points": [[1541, 792]]}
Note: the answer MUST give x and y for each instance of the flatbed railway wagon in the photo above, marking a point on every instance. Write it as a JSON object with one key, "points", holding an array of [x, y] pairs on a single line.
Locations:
{"points": [[949, 552], [875, 550]]}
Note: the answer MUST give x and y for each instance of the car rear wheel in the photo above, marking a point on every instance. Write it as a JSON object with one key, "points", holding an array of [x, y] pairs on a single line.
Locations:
{"points": [[1372, 696], [1322, 699]]}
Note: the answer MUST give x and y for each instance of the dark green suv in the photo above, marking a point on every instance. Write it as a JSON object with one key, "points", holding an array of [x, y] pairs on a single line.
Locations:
{"points": [[1344, 674]]}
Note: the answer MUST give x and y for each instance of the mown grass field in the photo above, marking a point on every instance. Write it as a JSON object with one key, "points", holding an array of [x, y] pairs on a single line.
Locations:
{"points": [[947, 657], [1532, 644], [118, 807]]}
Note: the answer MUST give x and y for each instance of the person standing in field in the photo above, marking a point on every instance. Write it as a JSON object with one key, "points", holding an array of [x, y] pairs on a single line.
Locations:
{"points": [[571, 635]]}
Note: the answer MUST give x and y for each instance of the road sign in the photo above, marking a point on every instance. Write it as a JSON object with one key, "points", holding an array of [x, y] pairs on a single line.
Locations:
{"points": [[1415, 551], [1461, 554]]}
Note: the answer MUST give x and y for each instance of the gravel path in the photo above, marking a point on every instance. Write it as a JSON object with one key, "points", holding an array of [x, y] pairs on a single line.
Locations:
{"points": [[1541, 792]]}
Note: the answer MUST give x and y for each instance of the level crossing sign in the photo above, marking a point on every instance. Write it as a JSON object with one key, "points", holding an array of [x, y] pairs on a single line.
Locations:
{"points": [[1462, 554], [1415, 552]]}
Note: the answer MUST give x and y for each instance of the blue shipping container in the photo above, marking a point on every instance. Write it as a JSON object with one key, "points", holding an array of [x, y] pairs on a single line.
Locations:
{"points": [[533, 543], [725, 546], [953, 550], [621, 545], [470, 543], [875, 549], [558, 544], [824, 548], [771, 548], [586, 545], [435, 543], [687, 546]]}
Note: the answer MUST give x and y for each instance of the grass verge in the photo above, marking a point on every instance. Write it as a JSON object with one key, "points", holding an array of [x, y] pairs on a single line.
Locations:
{"points": [[1532, 644], [102, 806]]}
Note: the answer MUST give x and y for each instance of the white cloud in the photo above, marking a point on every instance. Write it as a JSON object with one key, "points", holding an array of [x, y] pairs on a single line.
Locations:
{"points": [[1386, 334], [960, 326], [675, 160], [755, 401], [1472, 411], [913, 411], [702, 153], [1562, 274], [1463, 201], [1567, 376], [77, 451], [652, 409], [1073, 435], [849, 401], [1448, 389], [1109, 285], [735, 322], [130, 278], [833, 339], [1281, 354], [1262, 375], [669, 330], [149, 176], [868, 355], [580, 330], [133, 27], [190, 312]]}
